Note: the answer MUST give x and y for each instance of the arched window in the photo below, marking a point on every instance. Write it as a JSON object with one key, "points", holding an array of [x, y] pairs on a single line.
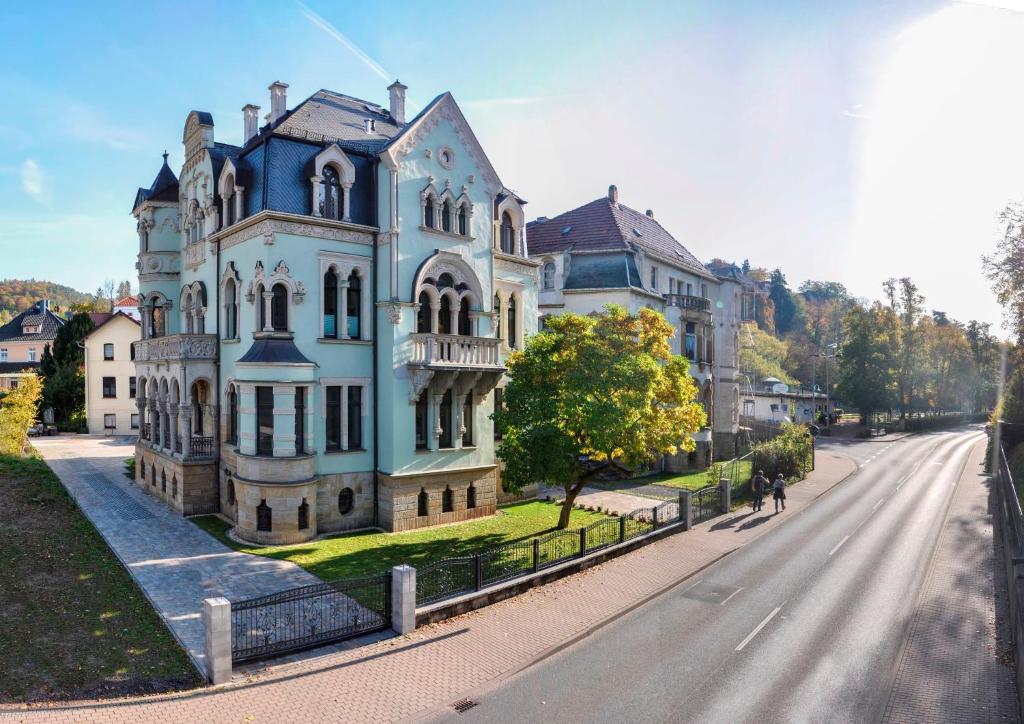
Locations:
{"points": [[352, 307], [508, 234], [446, 216], [447, 500], [512, 322], [264, 519], [465, 325], [163, 481], [497, 317], [445, 418], [463, 221], [152, 475], [422, 503], [174, 487], [471, 497], [229, 201], [231, 309], [330, 194], [279, 308], [549, 275], [423, 313], [346, 501], [444, 317], [445, 280], [158, 322], [330, 304], [428, 212], [231, 491], [304, 515], [233, 416], [144, 238]]}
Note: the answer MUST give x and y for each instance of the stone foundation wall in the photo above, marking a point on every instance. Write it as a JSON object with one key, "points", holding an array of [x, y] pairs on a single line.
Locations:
{"points": [[399, 498], [284, 502], [228, 472], [188, 488], [683, 462], [329, 516]]}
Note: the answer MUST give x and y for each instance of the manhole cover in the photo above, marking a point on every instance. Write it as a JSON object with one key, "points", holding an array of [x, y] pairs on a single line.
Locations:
{"points": [[710, 592]]}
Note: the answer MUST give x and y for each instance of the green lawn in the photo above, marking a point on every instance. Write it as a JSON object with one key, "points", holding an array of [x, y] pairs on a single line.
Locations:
{"points": [[73, 624], [359, 554], [691, 481]]}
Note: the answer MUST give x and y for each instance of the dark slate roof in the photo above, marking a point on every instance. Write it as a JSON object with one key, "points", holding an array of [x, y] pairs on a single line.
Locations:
{"points": [[37, 314], [615, 270], [11, 367], [728, 271], [274, 351], [329, 117], [607, 226], [163, 188]]}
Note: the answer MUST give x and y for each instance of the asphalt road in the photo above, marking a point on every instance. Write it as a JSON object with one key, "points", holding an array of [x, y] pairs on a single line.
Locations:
{"points": [[804, 625]]}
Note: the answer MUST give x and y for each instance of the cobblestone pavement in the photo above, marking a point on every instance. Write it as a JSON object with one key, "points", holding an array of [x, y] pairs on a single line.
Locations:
{"points": [[175, 563], [957, 664], [413, 675]]}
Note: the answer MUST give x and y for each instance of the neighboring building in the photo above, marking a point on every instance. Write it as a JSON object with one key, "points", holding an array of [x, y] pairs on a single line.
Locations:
{"points": [[326, 311], [771, 400], [110, 388], [22, 341], [754, 294], [128, 305], [605, 252]]}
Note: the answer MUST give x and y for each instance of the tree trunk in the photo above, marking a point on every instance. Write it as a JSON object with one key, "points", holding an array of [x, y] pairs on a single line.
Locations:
{"points": [[571, 491]]}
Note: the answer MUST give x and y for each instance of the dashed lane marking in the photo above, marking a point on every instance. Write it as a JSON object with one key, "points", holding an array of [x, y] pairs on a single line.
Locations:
{"points": [[839, 545], [757, 630]]}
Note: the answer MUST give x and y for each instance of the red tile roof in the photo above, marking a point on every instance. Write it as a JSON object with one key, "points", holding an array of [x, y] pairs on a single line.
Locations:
{"points": [[130, 301]]}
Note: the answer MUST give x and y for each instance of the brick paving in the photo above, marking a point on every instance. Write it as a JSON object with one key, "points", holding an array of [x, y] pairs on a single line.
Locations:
{"points": [[957, 664], [175, 563], [410, 676]]}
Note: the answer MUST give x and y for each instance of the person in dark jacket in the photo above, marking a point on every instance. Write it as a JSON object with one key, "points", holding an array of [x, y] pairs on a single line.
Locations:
{"points": [[779, 487], [758, 485]]}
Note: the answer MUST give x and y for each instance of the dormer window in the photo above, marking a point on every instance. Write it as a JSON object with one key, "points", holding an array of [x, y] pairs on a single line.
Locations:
{"points": [[330, 194]]}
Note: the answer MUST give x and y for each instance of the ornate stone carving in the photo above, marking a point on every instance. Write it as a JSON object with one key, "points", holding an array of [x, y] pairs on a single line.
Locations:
{"points": [[268, 228], [419, 379], [394, 312]]}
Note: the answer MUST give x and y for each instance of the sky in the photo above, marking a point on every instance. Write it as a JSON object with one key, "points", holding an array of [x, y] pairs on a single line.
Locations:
{"points": [[844, 141]]}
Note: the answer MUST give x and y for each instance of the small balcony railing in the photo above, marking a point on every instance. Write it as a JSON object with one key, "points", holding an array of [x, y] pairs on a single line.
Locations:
{"points": [[687, 301], [454, 350], [144, 431], [177, 347], [201, 447]]}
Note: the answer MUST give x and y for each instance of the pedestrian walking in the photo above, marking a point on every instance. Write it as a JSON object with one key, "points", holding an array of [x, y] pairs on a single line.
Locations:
{"points": [[758, 485], [779, 487]]}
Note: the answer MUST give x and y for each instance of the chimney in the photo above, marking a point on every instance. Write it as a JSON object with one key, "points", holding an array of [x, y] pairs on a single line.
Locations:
{"points": [[397, 91], [278, 100], [650, 213], [44, 306], [251, 114], [613, 194], [371, 125]]}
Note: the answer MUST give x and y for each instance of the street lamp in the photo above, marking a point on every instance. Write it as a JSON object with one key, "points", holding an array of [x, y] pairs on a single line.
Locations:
{"points": [[828, 389]]}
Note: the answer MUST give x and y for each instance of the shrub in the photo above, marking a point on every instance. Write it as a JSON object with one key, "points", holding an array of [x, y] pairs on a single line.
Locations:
{"points": [[18, 414], [789, 453]]}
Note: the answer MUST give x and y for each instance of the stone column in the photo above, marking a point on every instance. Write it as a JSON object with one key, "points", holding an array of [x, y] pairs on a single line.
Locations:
{"points": [[686, 508], [435, 309], [217, 644], [186, 429], [725, 494], [315, 183], [238, 200], [403, 599], [434, 413], [342, 321], [172, 416], [346, 190], [267, 323], [165, 432], [140, 405]]}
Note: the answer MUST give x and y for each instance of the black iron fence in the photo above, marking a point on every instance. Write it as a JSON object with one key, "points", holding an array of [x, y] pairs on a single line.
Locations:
{"points": [[201, 447], [706, 503], [1011, 529], [301, 618], [458, 575]]}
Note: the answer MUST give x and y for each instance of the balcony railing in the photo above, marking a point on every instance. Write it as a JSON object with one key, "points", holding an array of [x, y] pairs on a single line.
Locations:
{"points": [[454, 350], [201, 447], [686, 301], [177, 347]]}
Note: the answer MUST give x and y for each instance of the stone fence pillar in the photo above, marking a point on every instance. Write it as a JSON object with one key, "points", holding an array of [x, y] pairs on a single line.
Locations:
{"points": [[686, 508], [217, 646], [403, 599], [725, 494]]}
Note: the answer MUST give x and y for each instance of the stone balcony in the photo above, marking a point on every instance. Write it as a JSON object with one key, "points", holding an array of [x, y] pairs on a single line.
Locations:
{"points": [[180, 347], [454, 351], [696, 309]]}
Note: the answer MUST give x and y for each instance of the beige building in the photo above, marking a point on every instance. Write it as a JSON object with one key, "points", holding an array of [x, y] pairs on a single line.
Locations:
{"points": [[110, 376]]}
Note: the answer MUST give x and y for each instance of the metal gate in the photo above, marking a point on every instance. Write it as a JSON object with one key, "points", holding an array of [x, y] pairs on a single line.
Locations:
{"points": [[301, 618], [706, 503]]}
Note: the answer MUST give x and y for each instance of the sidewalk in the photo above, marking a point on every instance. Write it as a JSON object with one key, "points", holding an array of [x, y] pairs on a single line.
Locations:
{"points": [[957, 664], [175, 563], [411, 675]]}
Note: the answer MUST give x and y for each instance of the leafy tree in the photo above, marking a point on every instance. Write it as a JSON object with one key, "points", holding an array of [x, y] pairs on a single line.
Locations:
{"points": [[64, 387], [124, 289], [867, 377], [762, 355], [594, 392], [907, 303], [17, 414], [789, 312], [17, 295], [1005, 269]]}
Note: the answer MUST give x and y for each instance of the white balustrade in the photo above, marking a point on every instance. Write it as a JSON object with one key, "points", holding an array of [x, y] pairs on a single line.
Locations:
{"points": [[454, 350]]}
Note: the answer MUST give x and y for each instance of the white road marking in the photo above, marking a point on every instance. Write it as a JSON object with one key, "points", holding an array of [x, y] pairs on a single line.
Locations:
{"points": [[730, 596], [877, 504], [757, 630], [839, 545], [693, 585]]}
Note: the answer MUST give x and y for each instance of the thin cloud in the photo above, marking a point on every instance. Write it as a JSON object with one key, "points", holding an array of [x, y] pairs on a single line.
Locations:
{"points": [[33, 181], [337, 35], [856, 112], [487, 103], [86, 124]]}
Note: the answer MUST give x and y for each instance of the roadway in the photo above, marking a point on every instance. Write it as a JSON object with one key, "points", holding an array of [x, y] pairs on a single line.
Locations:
{"points": [[804, 624]]}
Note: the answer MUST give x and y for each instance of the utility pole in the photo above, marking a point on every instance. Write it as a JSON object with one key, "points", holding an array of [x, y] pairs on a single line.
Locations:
{"points": [[828, 390]]}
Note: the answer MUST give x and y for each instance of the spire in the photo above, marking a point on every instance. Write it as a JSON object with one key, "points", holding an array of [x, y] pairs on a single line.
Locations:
{"points": [[165, 156]]}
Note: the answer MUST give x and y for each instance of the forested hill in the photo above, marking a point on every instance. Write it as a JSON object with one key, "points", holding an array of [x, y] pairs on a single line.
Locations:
{"points": [[16, 295]]}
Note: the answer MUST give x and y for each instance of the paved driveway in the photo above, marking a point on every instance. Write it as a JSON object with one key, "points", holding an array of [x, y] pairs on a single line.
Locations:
{"points": [[175, 563]]}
